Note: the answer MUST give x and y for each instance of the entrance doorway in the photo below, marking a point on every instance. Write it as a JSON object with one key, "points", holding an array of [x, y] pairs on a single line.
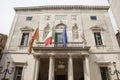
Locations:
{"points": [[61, 69], [61, 77]]}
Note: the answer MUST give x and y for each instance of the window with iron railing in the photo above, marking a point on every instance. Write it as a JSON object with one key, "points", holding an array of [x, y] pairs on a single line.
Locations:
{"points": [[18, 73], [104, 73], [24, 39], [98, 39]]}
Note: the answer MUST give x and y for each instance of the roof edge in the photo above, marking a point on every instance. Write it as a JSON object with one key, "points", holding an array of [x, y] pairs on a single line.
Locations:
{"points": [[61, 7]]}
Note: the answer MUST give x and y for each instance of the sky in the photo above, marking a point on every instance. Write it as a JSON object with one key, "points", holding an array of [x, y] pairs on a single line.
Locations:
{"points": [[7, 8]]}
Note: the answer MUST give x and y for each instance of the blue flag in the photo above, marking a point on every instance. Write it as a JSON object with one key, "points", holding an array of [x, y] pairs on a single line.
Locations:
{"points": [[64, 36]]}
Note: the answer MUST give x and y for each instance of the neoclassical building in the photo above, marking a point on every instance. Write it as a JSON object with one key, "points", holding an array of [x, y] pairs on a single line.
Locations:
{"points": [[75, 61]]}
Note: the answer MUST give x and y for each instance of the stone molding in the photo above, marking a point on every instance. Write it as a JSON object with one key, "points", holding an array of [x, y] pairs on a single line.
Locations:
{"points": [[58, 7]]}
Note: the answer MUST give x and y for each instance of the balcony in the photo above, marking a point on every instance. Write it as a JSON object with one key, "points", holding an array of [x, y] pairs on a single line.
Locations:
{"points": [[71, 46]]}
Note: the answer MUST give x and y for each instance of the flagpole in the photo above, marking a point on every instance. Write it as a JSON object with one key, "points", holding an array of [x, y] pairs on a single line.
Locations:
{"points": [[84, 42], [53, 34], [38, 29]]}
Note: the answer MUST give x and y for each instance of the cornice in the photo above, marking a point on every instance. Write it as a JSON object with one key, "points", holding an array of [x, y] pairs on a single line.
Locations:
{"points": [[58, 7]]}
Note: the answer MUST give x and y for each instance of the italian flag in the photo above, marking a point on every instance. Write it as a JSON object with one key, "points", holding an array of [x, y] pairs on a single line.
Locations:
{"points": [[48, 39]]}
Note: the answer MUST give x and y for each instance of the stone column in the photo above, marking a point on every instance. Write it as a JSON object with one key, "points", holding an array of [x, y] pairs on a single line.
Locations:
{"points": [[86, 68], [36, 69], [70, 68], [51, 69]]}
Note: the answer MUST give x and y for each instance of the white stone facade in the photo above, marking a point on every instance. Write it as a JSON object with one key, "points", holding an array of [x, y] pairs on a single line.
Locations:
{"points": [[43, 63]]}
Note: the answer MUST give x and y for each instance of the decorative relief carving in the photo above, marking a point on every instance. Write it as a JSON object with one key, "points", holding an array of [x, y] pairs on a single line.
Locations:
{"points": [[74, 17], [60, 17], [47, 17]]}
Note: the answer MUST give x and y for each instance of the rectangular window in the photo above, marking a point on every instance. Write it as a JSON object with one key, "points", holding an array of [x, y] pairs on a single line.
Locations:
{"points": [[98, 39], [24, 39], [104, 73], [58, 40], [18, 73], [29, 18], [93, 17]]}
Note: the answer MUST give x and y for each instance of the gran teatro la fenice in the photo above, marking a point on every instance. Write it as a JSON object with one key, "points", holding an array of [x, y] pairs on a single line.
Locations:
{"points": [[83, 44]]}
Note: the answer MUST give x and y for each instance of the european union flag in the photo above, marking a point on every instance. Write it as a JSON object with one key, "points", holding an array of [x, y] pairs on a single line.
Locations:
{"points": [[64, 36]]}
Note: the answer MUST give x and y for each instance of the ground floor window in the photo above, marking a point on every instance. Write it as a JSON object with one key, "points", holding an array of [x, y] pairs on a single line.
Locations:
{"points": [[104, 73], [18, 73]]}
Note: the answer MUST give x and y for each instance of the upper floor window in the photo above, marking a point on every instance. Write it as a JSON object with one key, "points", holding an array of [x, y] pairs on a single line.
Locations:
{"points": [[1, 39], [58, 37], [93, 17], [18, 73], [98, 39], [104, 73], [24, 40], [26, 32], [29, 18]]}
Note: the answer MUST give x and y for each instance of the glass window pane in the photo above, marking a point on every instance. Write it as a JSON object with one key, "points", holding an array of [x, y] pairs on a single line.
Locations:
{"points": [[29, 18], [18, 73], [98, 39], [93, 17], [18, 78], [104, 73], [24, 39], [59, 37]]}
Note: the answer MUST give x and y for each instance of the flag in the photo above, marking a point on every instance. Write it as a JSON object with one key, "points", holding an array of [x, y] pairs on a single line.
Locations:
{"points": [[35, 36], [82, 35], [64, 36], [50, 36]]}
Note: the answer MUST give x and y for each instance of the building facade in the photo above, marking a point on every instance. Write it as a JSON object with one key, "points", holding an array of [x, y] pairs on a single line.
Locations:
{"points": [[3, 39], [75, 61]]}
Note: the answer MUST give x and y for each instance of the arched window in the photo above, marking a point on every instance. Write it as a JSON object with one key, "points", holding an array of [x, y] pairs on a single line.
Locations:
{"points": [[75, 32], [46, 31]]}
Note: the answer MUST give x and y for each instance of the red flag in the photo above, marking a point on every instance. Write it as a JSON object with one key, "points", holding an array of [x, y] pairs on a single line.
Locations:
{"points": [[35, 36]]}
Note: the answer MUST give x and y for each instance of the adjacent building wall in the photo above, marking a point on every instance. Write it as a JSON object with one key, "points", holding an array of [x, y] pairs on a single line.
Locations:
{"points": [[3, 39]]}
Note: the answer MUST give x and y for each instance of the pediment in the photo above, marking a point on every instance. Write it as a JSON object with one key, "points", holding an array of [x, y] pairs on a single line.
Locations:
{"points": [[97, 28], [26, 28]]}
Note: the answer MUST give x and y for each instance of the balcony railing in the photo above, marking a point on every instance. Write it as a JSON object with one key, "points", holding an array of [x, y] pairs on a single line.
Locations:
{"points": [[60, 46]]}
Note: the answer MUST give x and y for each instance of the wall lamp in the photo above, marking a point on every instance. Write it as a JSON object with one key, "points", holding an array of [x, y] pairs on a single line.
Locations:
{"points": [[6, 71], [116, 72]]}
